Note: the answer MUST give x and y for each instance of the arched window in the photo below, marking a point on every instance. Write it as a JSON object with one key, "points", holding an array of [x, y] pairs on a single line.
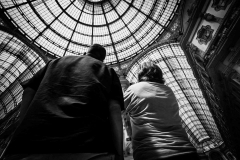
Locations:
{"points": [[17, 64]]}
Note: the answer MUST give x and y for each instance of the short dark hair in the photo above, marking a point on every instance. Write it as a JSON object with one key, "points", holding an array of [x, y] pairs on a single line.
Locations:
{"points": [[97, 51], [149, 71]]}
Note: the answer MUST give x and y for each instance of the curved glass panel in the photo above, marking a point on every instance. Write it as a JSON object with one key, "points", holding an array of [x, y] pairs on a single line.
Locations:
{"points": [[123, 27], [17, 64], [194, 111], [95, 0]]}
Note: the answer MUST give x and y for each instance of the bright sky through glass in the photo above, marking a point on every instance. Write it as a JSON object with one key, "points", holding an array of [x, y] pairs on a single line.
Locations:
{"points": [[64, 27], [17, 64]]}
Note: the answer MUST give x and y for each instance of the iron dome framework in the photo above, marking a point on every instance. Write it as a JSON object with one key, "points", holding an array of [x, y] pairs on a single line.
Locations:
{"points": [[67, 27], [17, 64]]}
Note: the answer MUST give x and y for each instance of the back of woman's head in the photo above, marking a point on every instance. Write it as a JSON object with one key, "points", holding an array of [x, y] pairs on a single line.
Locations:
{"points": [[150, 72]]}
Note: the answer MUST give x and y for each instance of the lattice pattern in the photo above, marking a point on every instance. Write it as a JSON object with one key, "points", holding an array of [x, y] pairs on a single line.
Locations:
{"points": [[17, 64], [124, 27]]}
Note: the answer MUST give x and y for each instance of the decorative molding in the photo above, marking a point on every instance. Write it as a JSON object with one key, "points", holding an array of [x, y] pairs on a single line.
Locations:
{"points": [[192, 47], [191, 9], [220, 4], [222, 34], [204, 34], [195, 51], [211, 18], [210, 53]]}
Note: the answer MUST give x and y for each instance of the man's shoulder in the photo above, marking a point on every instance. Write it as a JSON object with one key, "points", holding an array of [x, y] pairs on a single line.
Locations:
{"points": [[72, 58], [65, 58]]}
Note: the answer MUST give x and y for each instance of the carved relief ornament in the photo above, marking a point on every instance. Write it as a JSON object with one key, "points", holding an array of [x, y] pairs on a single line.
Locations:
{"points": [[204, 34], [220, 4]]}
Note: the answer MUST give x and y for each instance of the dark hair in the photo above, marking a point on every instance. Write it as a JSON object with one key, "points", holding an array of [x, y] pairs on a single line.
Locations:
{"points": [[97, 51], [149, 71]]}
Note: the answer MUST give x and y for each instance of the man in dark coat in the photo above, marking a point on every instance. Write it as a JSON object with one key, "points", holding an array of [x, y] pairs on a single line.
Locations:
{"points": [[71, 109]]}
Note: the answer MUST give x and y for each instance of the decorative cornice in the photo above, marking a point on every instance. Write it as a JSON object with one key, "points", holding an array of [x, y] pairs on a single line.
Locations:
{"points": [[220, 41]]}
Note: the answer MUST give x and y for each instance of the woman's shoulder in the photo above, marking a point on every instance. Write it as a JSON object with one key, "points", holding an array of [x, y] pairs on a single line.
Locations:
{"points": [[137, 85]]}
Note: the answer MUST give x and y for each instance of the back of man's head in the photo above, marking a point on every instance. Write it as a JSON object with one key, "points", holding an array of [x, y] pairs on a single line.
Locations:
{"points": [[97, 51]]}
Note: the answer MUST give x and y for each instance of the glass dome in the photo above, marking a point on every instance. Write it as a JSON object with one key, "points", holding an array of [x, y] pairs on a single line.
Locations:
{"points": [[17, 63], [68, 27]]}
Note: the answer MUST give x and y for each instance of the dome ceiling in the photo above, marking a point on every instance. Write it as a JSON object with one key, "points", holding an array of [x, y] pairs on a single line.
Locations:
{"points": [[69, 27], [18, 63]]}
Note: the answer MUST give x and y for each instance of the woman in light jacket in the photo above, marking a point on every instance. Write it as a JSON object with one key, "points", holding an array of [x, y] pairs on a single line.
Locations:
{"points": [[156, 128]]}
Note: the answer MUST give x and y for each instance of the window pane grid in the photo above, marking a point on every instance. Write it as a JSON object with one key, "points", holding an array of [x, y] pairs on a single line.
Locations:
{"points": [[136, 24], [18, 63]]}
